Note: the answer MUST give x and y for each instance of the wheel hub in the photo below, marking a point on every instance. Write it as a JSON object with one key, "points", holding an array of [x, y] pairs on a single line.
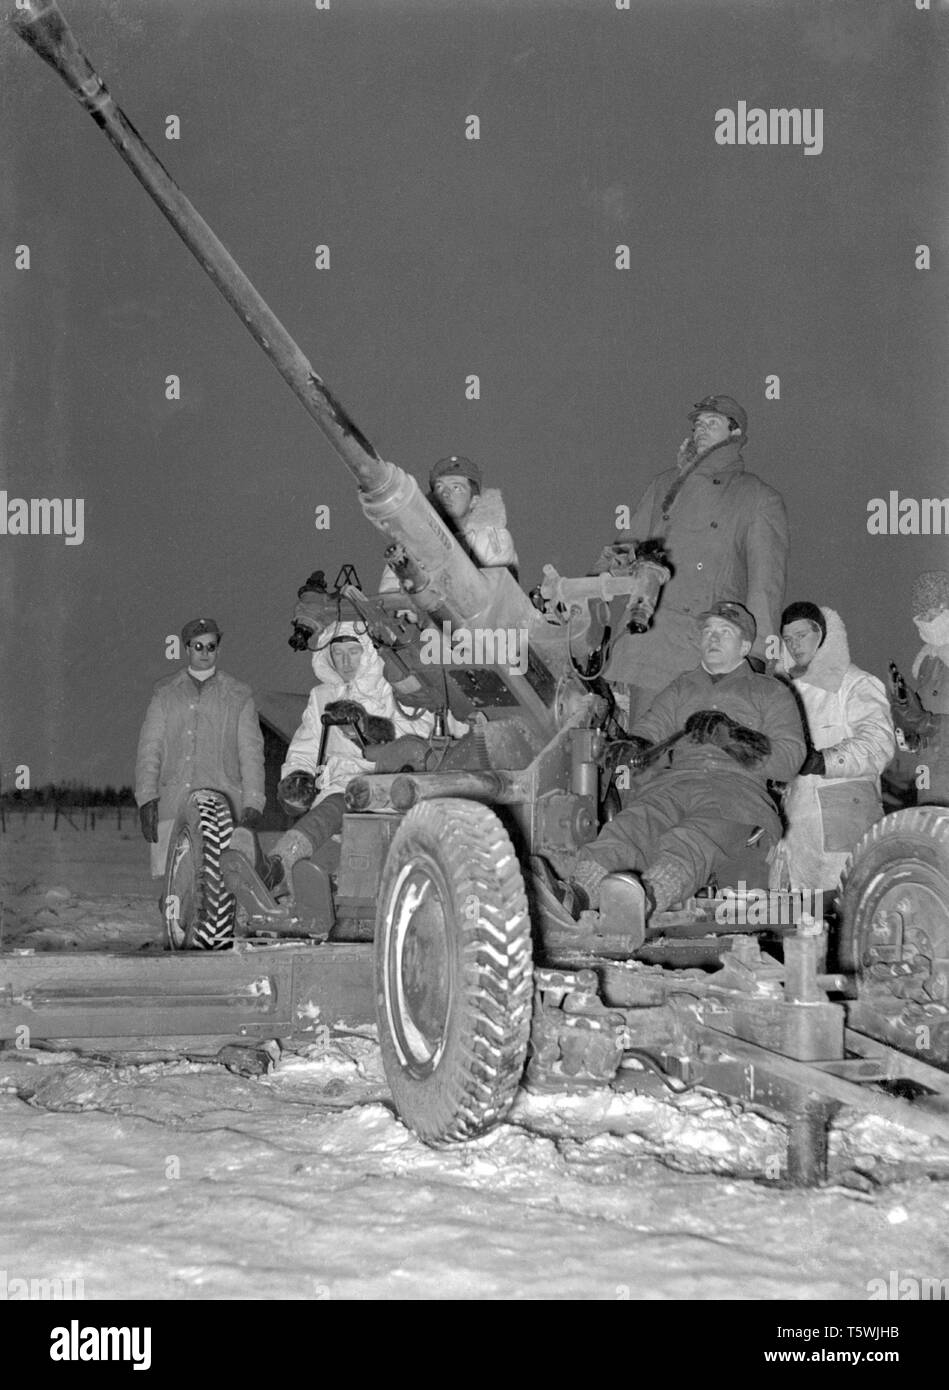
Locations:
{"points": [[419, 1001], [904, 959], [179, 902]]}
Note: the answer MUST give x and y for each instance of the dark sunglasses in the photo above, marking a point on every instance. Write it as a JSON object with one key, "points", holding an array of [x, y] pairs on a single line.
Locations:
{"points": [[203, 646]]}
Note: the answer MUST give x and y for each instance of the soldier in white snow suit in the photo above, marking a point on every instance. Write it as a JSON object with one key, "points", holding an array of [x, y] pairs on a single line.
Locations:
{"points": [[835, 797], [347, 667]]}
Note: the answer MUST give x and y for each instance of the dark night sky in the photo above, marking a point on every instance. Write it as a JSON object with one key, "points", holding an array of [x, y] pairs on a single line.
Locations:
{"points": [[449, 257]]}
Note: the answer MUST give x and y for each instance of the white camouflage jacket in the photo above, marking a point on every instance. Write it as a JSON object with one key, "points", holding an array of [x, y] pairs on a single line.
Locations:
{"points": [[848, 717], [342, 758]]}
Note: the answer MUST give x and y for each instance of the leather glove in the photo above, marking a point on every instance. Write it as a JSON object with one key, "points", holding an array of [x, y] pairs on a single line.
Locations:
{"points": [[405, 754], [370, 728], [704, 725], [148, 819], [251, 817], [747, 746], [813, 765], [296, 791], [379, 729], [343, 712]]}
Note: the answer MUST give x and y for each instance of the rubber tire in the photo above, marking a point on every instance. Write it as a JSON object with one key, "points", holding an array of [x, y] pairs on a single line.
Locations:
{"points": [[193, 875], [466, 1084], [909, 846]]}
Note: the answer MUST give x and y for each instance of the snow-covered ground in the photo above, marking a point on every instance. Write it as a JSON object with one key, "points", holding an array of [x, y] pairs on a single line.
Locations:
{"points": [[179, 1178]]}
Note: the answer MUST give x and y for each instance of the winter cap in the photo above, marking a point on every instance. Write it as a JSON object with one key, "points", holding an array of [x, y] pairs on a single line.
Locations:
{"points": [[930, 591], [722, 405], [455, 465], [736, 614], [197, 627], [807, 612]]}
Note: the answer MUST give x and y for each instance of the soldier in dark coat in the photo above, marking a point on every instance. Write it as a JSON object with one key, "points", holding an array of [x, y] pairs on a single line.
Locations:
{"points": [[726, 534], [740, 730]]}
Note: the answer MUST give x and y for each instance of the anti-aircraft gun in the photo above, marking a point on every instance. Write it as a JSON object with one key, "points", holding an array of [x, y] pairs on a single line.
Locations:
{"points": [[516, 672], [432, 861]]}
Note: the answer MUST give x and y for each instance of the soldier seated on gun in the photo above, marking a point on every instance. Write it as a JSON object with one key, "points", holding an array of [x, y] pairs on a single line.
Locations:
{"points": [[320, 762], [736, 730], [835, 796], [476, 514]]}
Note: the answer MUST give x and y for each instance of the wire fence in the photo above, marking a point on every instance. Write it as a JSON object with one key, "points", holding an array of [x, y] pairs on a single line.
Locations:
{"points": [[70, 806]]}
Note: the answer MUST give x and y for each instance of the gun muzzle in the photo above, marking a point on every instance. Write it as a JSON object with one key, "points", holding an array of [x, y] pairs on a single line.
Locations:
{"points": [[43, 27]]}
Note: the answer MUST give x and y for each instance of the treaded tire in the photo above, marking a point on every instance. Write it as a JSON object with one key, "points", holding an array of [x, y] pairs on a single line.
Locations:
{"points": [[895, 930], [199, 912], [453, 970], [907, 849]]}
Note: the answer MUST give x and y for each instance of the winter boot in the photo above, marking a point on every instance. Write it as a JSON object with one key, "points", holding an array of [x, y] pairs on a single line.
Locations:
{"points": [[588, 877], [564, 899], [278, 866], [573, 912], [668, 881], [556, 897]]}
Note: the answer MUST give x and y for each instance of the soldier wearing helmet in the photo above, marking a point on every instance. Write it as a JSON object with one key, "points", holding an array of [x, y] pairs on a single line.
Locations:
{"points": [[200, 730], [726, 534], [475, 513]]}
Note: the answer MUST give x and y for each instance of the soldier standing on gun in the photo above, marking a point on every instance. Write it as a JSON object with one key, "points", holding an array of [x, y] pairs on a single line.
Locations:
{"points": [[726, 535], [200, 730]]}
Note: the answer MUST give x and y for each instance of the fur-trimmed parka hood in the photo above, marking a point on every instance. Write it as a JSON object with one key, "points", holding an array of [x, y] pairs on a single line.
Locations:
{"points": [[369, 684], [831, 660], [490, 511]]}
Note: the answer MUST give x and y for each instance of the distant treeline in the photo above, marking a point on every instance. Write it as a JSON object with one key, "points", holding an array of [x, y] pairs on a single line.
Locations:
{"points": [[67, 794]]}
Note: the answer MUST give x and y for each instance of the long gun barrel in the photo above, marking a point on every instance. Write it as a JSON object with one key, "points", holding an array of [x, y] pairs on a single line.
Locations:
{"points": [[43, 27], [457, 591]]}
